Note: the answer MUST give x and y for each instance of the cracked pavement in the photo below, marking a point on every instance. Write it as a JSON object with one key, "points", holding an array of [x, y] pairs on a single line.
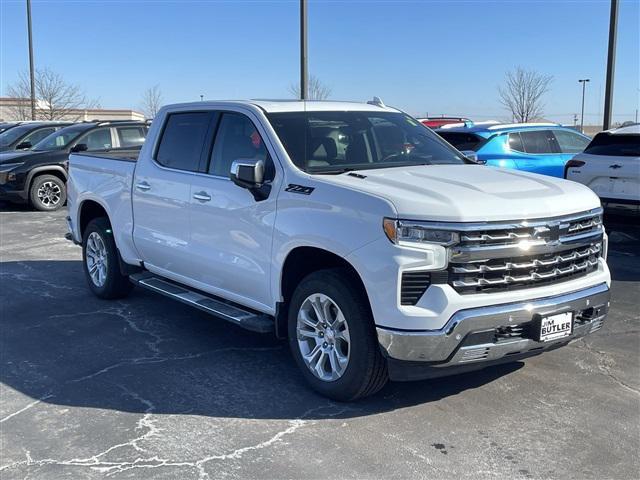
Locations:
{"points": [[149, 388]]}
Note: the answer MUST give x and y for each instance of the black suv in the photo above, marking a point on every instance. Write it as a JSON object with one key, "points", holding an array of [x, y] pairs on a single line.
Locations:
{"points": [[38, 176], [25, 135]]}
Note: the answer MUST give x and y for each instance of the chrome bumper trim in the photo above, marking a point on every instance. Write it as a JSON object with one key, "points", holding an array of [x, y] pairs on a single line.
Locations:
{"points": [[443, 346]]}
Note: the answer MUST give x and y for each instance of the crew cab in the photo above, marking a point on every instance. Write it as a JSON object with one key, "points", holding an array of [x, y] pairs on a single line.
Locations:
{"points": [[38, 176], [610, 166], [377, 249]]}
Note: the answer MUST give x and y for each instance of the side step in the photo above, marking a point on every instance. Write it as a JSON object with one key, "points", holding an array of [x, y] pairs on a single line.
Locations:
{"points": [[256, 322]]}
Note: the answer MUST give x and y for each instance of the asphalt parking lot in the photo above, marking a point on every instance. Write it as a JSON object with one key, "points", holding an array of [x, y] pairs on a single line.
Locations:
{"points": [[149, 388]]}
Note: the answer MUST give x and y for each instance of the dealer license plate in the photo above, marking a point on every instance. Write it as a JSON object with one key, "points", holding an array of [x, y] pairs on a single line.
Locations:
{"points": [[557, 326]]}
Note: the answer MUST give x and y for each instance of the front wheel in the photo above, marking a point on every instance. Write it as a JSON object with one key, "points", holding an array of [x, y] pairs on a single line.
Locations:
{"points": [[101, 261], [47, 193], [332, 336]]}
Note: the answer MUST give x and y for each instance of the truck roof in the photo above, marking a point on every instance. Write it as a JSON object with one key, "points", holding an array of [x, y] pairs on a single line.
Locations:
{"points": [[293, 105]]}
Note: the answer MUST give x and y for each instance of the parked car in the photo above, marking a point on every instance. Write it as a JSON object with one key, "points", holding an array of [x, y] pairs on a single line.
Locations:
{"points": [[437, 122], [38, 176], [26, 135], [610, 166], [375, 247], [543, 148]]}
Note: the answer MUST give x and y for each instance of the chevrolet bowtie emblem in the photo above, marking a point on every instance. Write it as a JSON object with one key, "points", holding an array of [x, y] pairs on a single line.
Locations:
{"points": [[550, 233]]}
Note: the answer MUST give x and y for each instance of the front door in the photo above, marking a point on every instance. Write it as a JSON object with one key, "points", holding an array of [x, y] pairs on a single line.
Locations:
{"points": [[231, 232], [162, 194]]}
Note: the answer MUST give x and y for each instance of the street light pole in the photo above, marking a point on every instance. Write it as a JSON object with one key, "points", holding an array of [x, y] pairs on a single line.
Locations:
{"points": [[611, 64], [584, 84], [304, 89], [31, 70]]}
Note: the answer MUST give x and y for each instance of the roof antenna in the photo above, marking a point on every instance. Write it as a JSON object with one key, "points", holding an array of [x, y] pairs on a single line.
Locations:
{"points": [[377, 101]]}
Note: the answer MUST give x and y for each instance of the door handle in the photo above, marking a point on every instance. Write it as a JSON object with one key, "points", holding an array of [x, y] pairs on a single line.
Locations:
{"points": [[202, 196], [615, 166], [144, 186]]}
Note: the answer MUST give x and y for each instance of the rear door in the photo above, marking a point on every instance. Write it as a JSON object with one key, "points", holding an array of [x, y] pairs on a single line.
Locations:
{"points": [[231, 231], [543, 154], [162, 194]]}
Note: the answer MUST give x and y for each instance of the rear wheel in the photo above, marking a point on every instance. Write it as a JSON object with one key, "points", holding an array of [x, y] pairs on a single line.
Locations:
{"points": [[101, 261], [47, 193], [332, 336]]}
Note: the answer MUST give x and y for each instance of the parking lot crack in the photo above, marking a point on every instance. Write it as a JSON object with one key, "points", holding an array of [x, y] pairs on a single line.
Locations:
{"points": [[604, 365]]}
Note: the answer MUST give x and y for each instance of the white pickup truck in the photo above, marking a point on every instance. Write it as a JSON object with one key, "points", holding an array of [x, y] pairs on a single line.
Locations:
{"points": [[351, 229]]}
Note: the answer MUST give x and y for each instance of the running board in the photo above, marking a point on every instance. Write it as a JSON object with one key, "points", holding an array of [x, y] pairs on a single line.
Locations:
{"points": [[256, 322]]}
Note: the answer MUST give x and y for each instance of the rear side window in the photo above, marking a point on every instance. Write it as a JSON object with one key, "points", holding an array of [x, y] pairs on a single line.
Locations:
{"points": [[183, 139], [131, 136], [237, 138], [539, 141], [463, 141], [614, 145], [570, 142]]}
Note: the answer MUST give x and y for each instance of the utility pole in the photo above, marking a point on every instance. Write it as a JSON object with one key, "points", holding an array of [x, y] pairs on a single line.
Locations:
{"points": [[611, 64], [584, 84], [31, 71], [304, 77]]}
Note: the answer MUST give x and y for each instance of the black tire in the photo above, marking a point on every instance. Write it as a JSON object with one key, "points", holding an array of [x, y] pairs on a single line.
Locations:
{"points": [[47, 193], [366, 371], [116, 285]]}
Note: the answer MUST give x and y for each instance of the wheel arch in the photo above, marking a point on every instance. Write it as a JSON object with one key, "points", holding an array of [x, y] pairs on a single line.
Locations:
{"points": [[300, 262], [55, 170], [87, 211]]}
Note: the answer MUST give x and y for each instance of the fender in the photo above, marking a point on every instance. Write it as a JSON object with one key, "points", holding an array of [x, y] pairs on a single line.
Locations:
{"points": [[45, 168]]}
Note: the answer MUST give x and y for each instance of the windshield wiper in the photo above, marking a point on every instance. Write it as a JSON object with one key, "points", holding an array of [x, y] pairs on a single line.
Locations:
{"points": [[334, 171]]}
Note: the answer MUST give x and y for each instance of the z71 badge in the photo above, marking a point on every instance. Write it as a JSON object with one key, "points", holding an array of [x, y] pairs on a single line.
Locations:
{"points": [[301, 189]]}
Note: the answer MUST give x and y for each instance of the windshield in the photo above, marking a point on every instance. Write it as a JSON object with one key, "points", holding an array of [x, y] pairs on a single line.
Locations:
{"points": [[335, 142], [13, 134], [60, 139]]}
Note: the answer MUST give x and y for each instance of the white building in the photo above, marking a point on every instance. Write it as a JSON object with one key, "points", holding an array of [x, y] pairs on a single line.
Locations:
{"points": [[10, 108]]}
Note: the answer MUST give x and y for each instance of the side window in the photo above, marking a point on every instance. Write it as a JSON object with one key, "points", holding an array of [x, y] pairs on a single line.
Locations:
{"points": [[237, 138], [98, 139], [515, 142], [183, 139], [570, 142], [131, 136], [38, 135], [539, 141]]}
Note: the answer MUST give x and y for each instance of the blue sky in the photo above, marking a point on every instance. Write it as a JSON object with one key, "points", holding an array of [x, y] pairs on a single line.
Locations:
{"points": [[440, 57]]}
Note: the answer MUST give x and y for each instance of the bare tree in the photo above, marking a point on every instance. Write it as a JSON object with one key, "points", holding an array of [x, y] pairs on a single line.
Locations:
{"points": [[522, 93], [151, 101], [317, 89], [55, 98]]}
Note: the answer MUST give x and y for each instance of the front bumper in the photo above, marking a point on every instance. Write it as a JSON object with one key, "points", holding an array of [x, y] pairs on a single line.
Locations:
{"points": [[491, 334]]}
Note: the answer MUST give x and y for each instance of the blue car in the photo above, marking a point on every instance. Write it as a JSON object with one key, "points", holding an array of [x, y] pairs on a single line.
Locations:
{"points": [[542, 148]]}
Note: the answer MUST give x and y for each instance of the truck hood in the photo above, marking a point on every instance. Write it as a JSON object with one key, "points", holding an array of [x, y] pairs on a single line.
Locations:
{"points": [[470, 193]]}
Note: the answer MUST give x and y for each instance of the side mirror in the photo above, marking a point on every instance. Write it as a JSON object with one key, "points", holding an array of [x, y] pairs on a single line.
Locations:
{"points": [[24, 146], [473, 156], [247, 173], [81, 147]]}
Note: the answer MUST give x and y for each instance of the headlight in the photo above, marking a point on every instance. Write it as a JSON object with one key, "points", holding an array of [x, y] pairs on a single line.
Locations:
{"points": [[403, 231], [5, 167]]}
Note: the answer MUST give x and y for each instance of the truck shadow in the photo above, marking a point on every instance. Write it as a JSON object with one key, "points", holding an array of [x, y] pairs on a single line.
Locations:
{"points": [[147, 354]]}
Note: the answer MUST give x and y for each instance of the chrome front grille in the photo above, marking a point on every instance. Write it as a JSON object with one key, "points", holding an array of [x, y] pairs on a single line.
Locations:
{"points": [[501, 256]]}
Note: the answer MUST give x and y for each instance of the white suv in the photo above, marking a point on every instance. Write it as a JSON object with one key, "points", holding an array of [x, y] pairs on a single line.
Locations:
{"points": [[610, 166]]}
